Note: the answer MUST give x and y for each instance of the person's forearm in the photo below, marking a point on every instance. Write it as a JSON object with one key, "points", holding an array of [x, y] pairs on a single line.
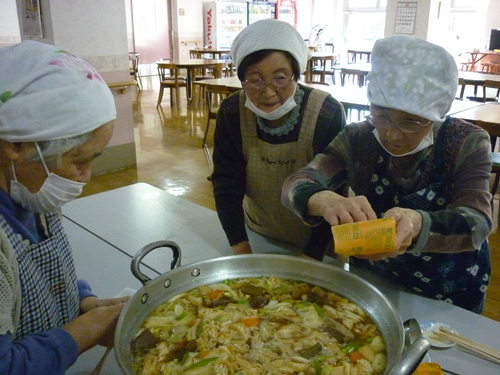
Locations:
{"points": [[95, 327], [453, 231]]}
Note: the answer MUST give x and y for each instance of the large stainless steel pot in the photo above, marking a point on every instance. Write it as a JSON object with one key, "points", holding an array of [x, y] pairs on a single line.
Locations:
{"points": [[181, 279]]}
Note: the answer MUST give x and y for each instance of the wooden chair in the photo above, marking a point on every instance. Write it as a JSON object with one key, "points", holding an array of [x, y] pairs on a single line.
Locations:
{"points": [[493, 130], [134, 68], [169, 78], [213, 97], [329, 47], [324, 68], [202, 73], [490, 67], [216, 71]]}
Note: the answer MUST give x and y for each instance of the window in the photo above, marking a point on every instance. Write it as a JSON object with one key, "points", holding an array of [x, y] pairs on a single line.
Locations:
{"points": [[364, 22], [463, 14]]}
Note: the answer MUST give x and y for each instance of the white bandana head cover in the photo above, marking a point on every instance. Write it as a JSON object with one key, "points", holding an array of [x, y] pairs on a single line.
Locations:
{"points": [[47, 93], [413, 76], [269, 34]]}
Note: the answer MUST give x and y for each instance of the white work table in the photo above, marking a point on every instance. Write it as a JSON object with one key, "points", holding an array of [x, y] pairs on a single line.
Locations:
{"points": [[107, 229]]}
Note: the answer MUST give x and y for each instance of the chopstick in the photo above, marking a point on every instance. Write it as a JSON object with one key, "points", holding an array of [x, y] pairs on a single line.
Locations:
{"points": [[470, 346], [98, 368]]}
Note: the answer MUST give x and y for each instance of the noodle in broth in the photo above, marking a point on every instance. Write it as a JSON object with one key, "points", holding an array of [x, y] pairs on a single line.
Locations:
{"points": [[255, 326]]}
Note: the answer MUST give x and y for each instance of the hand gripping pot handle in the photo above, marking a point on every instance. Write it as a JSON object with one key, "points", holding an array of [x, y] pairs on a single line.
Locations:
{"points": [[411, 357], [136, 261]]}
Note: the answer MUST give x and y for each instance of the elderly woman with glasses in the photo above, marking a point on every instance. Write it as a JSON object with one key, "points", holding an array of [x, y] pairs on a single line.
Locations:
{"points": [[267, 131], [410, 161]]}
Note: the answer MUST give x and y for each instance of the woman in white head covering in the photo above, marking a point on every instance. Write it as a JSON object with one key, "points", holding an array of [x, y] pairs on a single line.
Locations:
{"points": [[56, 116], [410, 161], [265, 132]]}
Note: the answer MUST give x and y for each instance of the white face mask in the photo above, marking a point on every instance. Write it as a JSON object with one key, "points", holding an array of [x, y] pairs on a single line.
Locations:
{"points": [[273, 115], [54, 192], [427, 141]]}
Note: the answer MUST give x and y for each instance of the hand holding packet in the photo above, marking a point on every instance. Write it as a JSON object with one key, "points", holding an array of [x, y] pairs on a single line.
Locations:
{"points": [[365, 237]]}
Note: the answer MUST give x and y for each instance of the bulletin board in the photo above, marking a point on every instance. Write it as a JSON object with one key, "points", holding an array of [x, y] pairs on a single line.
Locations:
{"points": [[406, 14]]}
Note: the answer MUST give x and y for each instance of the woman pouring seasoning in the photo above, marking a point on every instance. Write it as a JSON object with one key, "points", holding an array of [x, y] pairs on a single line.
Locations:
{"points": [[410, 161]]}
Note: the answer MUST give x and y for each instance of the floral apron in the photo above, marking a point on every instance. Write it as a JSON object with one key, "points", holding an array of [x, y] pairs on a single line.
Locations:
{"points": [[460, 278], [47, 277], [268, 165]]}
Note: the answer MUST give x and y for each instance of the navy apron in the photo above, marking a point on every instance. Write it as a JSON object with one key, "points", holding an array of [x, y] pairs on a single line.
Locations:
{"points": [[459, 278], [48, 280]]}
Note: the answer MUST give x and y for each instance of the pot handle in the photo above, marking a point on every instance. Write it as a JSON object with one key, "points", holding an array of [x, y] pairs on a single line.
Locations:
{"points": [[136, 260], [411, 357]]}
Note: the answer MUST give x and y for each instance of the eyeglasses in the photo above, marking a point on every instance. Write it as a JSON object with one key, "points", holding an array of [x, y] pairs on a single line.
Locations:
{"points": [[406, 126], [259, 85]]}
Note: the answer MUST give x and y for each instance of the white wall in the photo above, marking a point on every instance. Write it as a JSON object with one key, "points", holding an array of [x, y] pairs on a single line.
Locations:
{"points": [[9, 27], [187, 26], [96, 32]]}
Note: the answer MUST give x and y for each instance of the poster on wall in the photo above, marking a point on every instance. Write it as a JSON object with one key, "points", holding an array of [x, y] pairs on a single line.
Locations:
{"points": [[32, 19], [406, 14]]}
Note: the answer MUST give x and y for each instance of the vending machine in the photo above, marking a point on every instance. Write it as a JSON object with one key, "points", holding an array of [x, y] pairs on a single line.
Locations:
{"points": [[222, 21], [261, 10], [286, 10]]}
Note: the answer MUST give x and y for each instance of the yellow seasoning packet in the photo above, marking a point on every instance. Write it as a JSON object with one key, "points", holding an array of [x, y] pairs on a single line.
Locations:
{"points": [[428, 369], [365, 237]]}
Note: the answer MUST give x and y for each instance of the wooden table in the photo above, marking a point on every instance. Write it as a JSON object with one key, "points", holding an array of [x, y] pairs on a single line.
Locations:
{"points": [[462, 105], [477, 77], [107, 229], [232, 83], [191, 65], [351, 97], [477, 56]]}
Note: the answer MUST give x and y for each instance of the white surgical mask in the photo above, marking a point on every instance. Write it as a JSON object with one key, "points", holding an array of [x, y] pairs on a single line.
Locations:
{"points": [[427, 141], [273, 115], [54, 192]]}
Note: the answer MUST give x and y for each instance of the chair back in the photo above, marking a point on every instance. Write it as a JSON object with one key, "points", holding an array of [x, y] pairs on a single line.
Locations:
{"points": [[133, 58], [218, 69], [168, 74], [354, 56], [329, 47], [323, 67], [213, 97], [167, 71], [195, 54]]}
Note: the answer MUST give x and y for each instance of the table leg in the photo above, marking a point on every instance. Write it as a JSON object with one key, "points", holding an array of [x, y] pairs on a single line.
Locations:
{"points": [[189, 85]]}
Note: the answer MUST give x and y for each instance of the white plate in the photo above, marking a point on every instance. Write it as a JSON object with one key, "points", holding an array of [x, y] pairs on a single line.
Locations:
{"points": [[428, 329], [427, 358]]}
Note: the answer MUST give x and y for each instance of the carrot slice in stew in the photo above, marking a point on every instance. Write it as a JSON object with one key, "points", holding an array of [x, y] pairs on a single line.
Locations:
{"points": [[214, 294], [251, 321], [354, 357]]}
